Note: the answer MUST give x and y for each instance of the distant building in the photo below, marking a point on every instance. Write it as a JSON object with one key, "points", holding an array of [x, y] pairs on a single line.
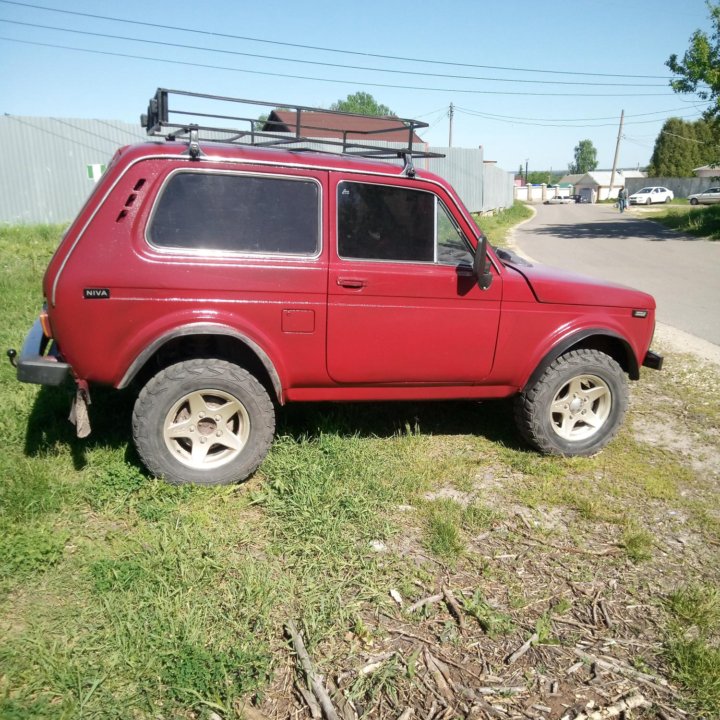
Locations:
{"points": [[596, 185], [329, 125], [707, 171]]}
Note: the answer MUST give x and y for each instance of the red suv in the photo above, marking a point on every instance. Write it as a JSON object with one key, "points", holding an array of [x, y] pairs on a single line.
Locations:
{"points": [[223, 279]]}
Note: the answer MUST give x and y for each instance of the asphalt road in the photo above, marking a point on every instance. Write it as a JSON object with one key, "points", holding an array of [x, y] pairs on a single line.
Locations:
{"points": [[683, 273]]}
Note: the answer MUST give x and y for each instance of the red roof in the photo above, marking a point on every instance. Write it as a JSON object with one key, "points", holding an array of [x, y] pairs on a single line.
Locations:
{"points": [[358, 128]]}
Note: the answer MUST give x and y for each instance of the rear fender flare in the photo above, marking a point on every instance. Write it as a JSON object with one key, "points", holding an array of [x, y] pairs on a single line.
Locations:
{"points": [[202, 329]]}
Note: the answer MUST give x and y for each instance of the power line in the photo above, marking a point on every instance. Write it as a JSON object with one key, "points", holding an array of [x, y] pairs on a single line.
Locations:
{"points": [[16, 119], [184, 46], [207, 66], [566, 119], [209, 33], [567, 124]]}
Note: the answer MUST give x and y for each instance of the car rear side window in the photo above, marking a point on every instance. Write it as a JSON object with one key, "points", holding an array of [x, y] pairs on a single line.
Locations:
{"points": [[383, 222], [238, 213]]}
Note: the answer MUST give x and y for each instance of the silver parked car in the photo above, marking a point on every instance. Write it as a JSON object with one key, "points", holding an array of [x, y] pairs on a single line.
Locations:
{"points": [[706, 197]]}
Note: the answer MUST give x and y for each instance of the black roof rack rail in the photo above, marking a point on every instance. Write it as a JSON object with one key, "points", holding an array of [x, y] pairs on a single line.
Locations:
{"points": [[198, 126]]}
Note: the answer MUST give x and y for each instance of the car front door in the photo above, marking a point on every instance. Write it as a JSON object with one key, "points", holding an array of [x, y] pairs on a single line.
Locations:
{"points": [[403, 304]]}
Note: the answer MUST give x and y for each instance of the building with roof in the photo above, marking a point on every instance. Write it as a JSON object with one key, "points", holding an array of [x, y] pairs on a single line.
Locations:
{"points": [[357, 128], [596, 185]]}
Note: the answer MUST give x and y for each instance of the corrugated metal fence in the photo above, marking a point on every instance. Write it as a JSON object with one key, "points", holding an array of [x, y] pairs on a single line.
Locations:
{"points": [[50, 166]]}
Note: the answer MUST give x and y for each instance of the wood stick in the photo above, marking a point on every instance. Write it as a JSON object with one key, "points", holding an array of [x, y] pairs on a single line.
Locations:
{"points": [[453, 606], [425, 601], [522, 649], [312, 677], [616, 667], [614, 710]]}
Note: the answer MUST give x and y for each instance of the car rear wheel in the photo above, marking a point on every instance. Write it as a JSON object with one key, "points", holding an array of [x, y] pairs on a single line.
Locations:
{"points": [[667, 199], [576, 406], [694, 201], [204, 421]]}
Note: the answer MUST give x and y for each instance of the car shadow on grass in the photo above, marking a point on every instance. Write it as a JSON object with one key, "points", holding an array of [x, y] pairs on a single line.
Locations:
{"points": [[491, 419], [111, 417]]}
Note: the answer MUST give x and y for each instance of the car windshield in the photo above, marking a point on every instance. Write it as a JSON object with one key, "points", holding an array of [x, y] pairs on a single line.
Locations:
{"points": [[644, 190]]}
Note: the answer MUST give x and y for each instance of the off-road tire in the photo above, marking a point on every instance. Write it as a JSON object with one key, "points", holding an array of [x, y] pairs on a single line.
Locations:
{"points": [[206, 401], [577, 405]]}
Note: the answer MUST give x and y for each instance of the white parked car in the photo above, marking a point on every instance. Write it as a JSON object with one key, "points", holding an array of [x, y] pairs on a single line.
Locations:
{"points": [[650, 195], [706, 197]]}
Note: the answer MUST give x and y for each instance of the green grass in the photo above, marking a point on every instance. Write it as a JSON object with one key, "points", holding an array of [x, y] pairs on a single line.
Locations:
{"points": [[692, 644], [121, 596], [692, 220], [497, 226]]}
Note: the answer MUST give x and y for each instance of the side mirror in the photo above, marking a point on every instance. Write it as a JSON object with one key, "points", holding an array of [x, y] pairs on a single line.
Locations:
{"points": [[481, 266]]}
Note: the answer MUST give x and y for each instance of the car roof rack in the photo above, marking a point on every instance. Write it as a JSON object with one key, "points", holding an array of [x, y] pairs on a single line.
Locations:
{"points": [[294, 129]]}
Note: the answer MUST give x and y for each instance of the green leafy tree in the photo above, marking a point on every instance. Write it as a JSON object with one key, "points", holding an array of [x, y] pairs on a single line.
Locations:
{"points": [[543, 176], [362, 103], [699, 70], [585, 158], [681, 147]]}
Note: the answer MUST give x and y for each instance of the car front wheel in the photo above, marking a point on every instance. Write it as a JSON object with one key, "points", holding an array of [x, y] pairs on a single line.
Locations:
{"points": [[576, 407], [694, 201], [203, 421]]}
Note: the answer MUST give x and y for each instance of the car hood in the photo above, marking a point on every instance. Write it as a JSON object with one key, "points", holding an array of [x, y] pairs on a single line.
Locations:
{"points": [[561, 287]]}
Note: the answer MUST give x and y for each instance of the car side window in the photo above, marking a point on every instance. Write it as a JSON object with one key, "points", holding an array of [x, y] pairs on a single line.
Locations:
{"points": [[384, 222], [452, 245], [231, 212]]}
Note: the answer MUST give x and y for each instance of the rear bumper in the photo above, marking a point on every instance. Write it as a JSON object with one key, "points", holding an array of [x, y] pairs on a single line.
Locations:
{"points": [[38, 362], [653, 360]]}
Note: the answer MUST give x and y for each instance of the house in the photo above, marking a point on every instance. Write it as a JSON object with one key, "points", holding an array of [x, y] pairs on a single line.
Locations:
{"points": [[354, 128], [707, 171], [596, 185]]}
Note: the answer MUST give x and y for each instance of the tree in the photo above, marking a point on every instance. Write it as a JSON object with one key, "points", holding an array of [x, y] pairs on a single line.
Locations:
{"points": [[681, 147], [699, 70], [585, 158], [362, 103], [543, 176]]}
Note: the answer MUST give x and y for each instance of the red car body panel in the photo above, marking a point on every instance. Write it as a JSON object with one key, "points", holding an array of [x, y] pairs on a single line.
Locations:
{"points": [[330, 328]]}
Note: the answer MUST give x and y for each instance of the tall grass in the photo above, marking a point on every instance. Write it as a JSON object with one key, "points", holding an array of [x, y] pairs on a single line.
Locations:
{"points": [[699, 221], [498, 225]]}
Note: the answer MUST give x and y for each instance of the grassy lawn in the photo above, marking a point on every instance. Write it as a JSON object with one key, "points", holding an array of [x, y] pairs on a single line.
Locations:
{"points": [[497, 226], [701, 221], [123, 597]]}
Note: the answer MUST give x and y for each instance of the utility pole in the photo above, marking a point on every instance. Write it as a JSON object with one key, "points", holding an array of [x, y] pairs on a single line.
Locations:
{"points": [[617, 151], [451, 113]]}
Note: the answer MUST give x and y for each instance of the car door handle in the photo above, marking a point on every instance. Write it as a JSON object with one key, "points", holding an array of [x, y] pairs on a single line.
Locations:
{"points": [[352, 283]]}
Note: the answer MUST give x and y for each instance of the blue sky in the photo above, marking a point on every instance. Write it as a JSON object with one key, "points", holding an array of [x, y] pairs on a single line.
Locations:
{"points": [[556, 56]]}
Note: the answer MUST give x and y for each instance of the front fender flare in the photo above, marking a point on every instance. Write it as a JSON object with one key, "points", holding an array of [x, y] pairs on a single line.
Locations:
{"points": [[579, 338]]}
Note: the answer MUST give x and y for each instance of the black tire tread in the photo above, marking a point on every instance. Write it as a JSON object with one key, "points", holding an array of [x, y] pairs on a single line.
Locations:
{"points": [[530, 422], [263, 425]]}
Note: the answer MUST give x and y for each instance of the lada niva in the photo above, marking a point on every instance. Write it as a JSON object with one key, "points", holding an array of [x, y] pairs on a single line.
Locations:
{"points": [[225, 279]]}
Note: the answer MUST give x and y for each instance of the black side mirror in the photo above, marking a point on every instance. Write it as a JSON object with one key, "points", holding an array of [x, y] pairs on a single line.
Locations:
{"points": [[481, 266]]}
